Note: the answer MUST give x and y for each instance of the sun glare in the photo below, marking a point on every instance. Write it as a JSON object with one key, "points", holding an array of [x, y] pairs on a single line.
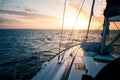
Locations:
{"points": [[80, 24]]}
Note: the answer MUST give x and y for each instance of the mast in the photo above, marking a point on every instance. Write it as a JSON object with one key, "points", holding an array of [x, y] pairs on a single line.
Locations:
{"points": [[111, 13], [91, 14], [104, 34]]}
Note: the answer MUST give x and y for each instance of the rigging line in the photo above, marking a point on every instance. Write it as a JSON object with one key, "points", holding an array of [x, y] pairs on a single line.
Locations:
{"points": [[75, 21], [62, 25], [90, 25], [98, 29], [116, 38], [74, 25], [116, 25], [116, 29], [91, 28], [91, 14], [98, 19], [92, 22], [95, 32]]}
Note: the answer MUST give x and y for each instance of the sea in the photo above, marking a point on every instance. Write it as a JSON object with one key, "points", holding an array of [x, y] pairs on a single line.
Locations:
{"points": [[23, 51]]}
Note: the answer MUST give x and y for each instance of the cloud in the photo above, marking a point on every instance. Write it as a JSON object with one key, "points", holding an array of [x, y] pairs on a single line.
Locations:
{"points": [[7, 4], [29, 9], [8, 21], [27, 15]]}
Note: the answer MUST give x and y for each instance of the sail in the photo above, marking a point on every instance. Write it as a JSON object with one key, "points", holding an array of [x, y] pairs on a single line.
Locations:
{"points": [[112, 8]]}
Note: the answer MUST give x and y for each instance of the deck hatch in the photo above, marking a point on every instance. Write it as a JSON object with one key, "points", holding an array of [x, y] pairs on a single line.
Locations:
{"points": [[79, 66]]}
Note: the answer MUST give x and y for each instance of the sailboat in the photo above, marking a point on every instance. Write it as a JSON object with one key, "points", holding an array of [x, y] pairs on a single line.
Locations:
{"points": [[87, 60]]}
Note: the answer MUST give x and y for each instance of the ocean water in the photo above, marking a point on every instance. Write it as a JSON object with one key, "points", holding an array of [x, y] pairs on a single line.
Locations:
{"points": [[22, 52], [20, 49]]}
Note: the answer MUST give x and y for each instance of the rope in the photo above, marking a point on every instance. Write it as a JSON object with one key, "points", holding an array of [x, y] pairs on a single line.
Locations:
{"points": [[62, 25], [75, 22], [98, 19], [97, 29], [74, 25], [117, 37], [95, 32], [116, 25]]}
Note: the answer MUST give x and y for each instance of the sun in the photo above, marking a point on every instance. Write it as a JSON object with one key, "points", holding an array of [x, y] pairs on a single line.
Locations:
{"points": [[81, 23]]}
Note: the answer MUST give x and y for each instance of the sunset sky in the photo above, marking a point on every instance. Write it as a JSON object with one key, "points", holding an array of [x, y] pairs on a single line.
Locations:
{"points": [[47, 14]]}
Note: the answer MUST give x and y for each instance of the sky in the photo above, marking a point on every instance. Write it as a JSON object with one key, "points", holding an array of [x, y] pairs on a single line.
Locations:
{"points": [[47, 14]]}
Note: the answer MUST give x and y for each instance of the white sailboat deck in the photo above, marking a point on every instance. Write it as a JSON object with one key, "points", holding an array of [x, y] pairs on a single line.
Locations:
{"points": [[71, 67]]}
